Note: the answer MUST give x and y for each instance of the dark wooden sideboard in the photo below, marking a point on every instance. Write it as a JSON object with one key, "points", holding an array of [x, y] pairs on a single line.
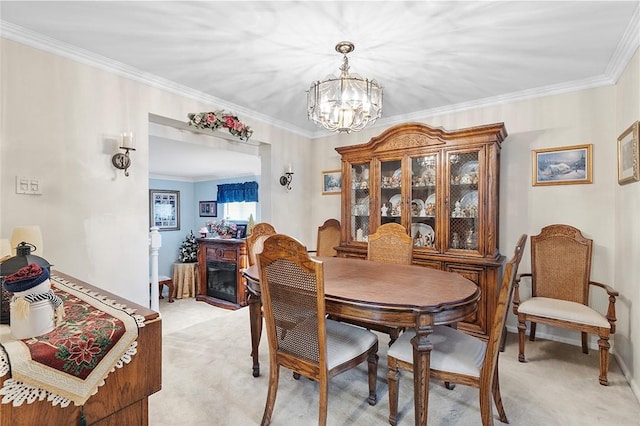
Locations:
{"points": [[123, 399], [221, 262]]}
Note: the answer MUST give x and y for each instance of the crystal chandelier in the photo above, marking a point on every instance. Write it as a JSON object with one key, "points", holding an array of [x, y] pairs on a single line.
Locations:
{"points": [[346, 103]]}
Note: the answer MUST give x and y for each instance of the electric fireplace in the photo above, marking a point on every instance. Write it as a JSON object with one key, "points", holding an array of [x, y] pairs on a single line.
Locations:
{"points": [[221, 262]]}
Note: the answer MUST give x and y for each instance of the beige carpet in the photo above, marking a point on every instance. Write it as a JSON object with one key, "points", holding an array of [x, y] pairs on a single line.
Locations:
{"points": [[207, 380]]}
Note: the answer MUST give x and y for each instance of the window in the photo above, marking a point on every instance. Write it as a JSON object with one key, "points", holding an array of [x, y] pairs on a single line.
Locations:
{"points": [[240, 211]]}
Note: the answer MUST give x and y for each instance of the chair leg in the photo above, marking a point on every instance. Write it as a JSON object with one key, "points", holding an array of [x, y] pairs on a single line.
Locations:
{"points": [[274, 375], [603, 351], [522, 328], [497, 398], [532, 332], [585, 346], [503, 338], [324, 392], [486, 408], [372, 361], [394, 333], [393, 378]]}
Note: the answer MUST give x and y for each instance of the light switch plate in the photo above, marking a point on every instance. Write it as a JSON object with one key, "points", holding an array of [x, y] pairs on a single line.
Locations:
{"points": [[28, 185]]}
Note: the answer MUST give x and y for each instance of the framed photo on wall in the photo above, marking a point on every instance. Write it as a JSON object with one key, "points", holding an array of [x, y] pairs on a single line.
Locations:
{"points": [[164, 209], [331, 182], [563, 166], [629, 155], [208, 209]]}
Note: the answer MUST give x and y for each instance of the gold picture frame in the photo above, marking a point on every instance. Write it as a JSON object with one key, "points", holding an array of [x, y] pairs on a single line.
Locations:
{"points": [[331, 182], [566, 165], [629, 155]]}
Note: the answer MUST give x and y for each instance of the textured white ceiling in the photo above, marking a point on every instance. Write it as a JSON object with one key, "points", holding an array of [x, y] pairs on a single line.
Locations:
{"points": [[258, 58]]}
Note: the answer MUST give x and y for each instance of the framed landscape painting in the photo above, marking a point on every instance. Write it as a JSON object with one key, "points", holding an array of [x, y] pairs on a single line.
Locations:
{"points": [[563, 166], [629, 155], [331, 182]]}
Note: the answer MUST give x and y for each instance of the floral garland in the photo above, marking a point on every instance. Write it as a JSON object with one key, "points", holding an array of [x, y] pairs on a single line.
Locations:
{"points": [[217, 119], [223, 228]]}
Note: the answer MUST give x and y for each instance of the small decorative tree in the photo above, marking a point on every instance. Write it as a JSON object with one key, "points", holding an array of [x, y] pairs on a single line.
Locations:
{"points": [[188, 252]]}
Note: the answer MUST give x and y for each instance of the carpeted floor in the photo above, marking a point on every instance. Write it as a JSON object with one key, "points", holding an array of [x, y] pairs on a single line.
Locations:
{"points": [[207, 380]]}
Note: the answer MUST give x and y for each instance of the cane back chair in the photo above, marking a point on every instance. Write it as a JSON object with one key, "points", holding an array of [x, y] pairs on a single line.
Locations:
{"points": [[560, 283], [300, 336], [460, 358]]}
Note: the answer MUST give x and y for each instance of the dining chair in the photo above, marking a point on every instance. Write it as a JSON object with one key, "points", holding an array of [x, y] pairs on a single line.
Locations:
{"points": [[457, 357], [300, 336], [328, 238], [390, 243], [560, 284], [254, 241]]}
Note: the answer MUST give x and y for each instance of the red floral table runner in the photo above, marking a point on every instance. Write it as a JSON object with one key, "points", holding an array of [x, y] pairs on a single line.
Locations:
{"points": [[72, 361]]}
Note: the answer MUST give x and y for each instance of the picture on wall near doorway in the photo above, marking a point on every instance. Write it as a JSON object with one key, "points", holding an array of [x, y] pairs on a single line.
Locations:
{"points": [[563, 166], [208, 209], [629, 155], [331, 182], [164, 209]]}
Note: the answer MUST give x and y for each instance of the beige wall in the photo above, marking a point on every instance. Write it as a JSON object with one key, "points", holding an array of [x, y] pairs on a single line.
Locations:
{"points": [[60, 118], [627, 234], [60, 122]]}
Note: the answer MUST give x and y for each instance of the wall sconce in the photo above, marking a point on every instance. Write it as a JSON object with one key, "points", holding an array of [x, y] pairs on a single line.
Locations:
{"points": [[285, 180], [123, 161]]}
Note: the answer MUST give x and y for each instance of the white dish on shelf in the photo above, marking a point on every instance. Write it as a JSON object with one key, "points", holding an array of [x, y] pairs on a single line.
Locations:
{"points": [[419, 202], [470, 167], [395, 201], [430, 205], [431, 199], [470, 199], [425, 230]]}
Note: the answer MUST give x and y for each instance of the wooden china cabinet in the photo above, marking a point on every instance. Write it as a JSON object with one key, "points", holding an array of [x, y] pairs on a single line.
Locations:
{"points": [[443, 187]]}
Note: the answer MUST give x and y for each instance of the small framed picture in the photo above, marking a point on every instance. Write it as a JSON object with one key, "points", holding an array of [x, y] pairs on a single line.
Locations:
{"points": [[208, 209], [563, 166], [629, 155], [164, 209], [331, 182], [241, 231]]}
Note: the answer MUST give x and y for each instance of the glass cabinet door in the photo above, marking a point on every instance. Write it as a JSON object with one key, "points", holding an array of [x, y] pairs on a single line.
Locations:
{"points": [[391, 206], [360, 186], [463, 200], [423, 201]]}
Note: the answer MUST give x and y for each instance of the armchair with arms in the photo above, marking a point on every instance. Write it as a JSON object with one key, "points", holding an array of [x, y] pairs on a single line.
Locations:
{"points": [[560, 283]]}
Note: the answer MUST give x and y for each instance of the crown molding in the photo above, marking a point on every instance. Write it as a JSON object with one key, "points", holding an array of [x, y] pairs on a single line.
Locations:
{"points": [[48, 44], [619, 60]]}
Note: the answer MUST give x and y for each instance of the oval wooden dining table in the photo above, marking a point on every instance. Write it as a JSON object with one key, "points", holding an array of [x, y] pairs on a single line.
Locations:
{"points": [[385, 294]]}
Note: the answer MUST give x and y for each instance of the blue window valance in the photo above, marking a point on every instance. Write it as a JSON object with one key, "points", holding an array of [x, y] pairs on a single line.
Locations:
{"points": [[238, 192]]}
